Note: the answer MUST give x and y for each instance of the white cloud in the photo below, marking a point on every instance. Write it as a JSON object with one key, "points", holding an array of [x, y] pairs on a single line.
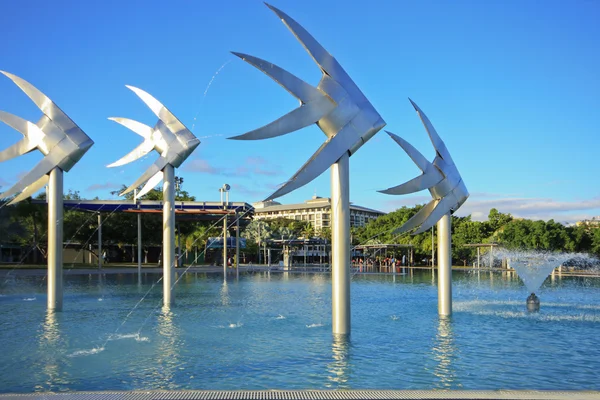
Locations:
{"points": [[531, 208], [199, 165], [478, 205], [103, 186]]}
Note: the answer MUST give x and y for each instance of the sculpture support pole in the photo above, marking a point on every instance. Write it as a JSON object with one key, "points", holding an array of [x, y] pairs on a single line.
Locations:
{"points": [[237, 245], [340, 243], [225, 245], [55, 239], [168, 232], [100, 258], [444, 266], [139, 249]]}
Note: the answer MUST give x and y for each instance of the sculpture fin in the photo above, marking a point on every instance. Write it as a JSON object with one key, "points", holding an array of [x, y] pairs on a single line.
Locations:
{"points": [[430, 177], [44, 103], [25, 145], [324, 60], [31, 189], [141, 129], [154, 168], [41, 169], [144, 148], [438, 143], [166, 116], [412, 152], [443, 207], [298, 118], [294, 85], [421, 182], [314, 104], [321, 160], [151, 184], [416, 219]]}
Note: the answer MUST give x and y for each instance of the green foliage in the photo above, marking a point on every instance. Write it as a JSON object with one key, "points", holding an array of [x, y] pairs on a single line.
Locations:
{"points": [[324, 233], [26, 224], [497, 220], [595, 241], [537, 235]]}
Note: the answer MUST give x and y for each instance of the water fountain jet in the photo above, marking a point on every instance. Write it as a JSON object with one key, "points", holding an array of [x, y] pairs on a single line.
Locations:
{"points": [[533, 267]]}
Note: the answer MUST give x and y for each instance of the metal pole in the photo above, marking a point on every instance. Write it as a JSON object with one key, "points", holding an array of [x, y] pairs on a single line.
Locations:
{"points": [[225, 246], [491, 256], [168, 232], [139, 223], [259, 242], [444, 266], [55, 239], [478, 257], [304, 255], [432, 248], [179, 263], [100, 258], [237, 245], [340, 243]]}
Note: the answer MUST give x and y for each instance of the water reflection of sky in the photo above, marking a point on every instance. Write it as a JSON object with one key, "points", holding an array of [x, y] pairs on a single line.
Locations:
{"points": [[270, 331]]}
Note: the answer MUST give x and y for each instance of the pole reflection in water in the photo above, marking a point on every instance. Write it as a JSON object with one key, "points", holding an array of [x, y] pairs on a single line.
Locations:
{"points": [[49, 343], [340, 366], [168, 361], [225, 294], [444, 353]]}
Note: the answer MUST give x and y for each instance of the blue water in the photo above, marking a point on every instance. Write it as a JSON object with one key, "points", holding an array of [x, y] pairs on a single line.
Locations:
{"points": [[273, 331]]}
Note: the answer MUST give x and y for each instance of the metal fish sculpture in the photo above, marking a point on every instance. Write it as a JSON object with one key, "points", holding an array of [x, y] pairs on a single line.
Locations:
{"points": [[169, 137], [61, 141], [441, 178], [336, 105]]}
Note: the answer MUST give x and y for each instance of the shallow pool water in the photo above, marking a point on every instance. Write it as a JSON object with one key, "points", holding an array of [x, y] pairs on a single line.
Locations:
{"points": [[273, 331]]}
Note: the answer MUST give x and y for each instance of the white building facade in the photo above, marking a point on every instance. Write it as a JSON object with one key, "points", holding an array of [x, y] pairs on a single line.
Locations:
{"points": [[317, 211]]}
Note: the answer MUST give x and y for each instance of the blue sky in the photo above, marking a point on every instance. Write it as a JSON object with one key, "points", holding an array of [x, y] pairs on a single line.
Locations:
{"points": [[511, 86]]}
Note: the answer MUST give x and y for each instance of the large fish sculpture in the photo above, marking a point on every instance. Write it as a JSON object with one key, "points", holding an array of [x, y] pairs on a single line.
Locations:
{"points": [[169, 137], [441, 177], [61, 141], [336, 105]]}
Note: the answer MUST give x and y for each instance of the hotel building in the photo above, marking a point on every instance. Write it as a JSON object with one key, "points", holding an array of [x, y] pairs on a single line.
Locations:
{"points": [[317, 211]]}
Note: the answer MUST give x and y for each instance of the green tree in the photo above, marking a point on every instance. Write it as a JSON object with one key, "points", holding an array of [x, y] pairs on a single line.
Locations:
{"points": [[595, 245], [324, 233], [497, 219], [465, 231], [307, 231]]}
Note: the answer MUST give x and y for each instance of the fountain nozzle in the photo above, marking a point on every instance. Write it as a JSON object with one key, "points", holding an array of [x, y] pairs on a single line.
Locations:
{"points": [[533, 303]]}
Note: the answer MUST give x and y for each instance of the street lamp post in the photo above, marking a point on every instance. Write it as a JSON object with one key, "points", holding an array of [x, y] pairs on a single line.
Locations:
{"points": [[225, 190], [178, 183]]}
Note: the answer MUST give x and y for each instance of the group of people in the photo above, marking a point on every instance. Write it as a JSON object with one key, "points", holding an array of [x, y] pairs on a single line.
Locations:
{"points": [[378, 263]]}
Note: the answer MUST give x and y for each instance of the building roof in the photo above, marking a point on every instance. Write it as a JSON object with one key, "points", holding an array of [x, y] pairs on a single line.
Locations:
{"points": [[201, 209]]}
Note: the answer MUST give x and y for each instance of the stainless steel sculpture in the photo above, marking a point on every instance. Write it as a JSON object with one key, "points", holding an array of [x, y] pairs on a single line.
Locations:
{"points": [[174, 142], [448, 191], [348, 120], [63, 143]]}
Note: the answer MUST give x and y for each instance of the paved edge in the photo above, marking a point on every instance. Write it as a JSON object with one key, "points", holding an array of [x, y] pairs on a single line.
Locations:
{"points": [[309, 395]]}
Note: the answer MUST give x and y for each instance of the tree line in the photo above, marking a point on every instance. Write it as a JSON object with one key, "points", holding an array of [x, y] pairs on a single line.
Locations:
{"points": [[25, 224], [503, 229]]}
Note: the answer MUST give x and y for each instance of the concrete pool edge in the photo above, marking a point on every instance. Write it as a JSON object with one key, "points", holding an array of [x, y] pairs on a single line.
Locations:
{"points": [[309, 394]]}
